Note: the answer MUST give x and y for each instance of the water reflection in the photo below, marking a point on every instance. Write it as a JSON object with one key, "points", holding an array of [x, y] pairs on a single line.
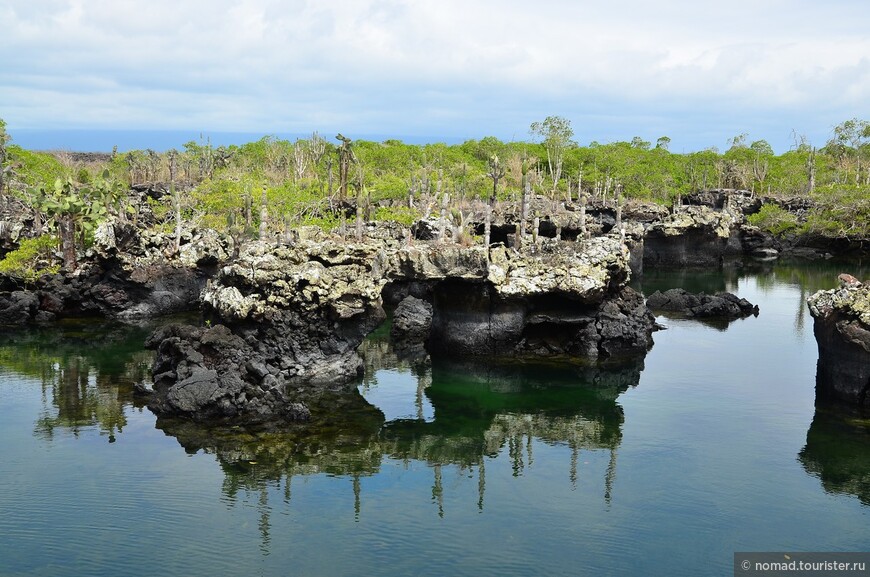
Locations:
{"points": [[481, 413], [767, 275], [258, 462], [86, 371], [483, 409], [838, 452]]}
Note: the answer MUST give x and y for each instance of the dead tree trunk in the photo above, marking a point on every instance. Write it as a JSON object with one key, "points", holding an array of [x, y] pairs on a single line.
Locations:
{"points": [[264, 215], [176, 198], [359, 216], [524, 210], [67, 231], [445, 200], [535, 227], [345, 156], [249, 217], [487, 227]]}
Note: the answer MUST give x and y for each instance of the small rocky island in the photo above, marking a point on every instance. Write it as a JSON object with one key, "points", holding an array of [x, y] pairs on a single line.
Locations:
{"points": [[842, 328], [721, 305]]}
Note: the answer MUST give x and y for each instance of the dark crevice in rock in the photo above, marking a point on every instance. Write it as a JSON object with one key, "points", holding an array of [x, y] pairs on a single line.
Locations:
{"points": [[862, 396]]}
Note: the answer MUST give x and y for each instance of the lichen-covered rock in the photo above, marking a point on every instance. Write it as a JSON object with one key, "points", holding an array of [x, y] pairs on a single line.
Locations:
{"points": [[335, 279], [566, 299], [693, 236], [582, 271], [298, 314], [16, 219], [842, 329], [206, 247], [694, 218], [433, 262]]}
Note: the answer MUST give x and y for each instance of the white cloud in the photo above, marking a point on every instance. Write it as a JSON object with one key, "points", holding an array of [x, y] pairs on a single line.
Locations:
{"points": [[403, 66]]}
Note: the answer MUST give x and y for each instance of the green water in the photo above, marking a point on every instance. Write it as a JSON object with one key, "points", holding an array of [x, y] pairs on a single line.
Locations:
{"points": [[711, 445]]}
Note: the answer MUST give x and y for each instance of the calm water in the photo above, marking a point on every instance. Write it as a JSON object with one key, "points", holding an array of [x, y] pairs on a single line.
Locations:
{"points": [[711, 445]]}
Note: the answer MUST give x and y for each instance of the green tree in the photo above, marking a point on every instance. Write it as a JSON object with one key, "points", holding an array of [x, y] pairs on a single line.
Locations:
{"points": [[556, 134], [853, 136], [640, 143], [663, 142]]}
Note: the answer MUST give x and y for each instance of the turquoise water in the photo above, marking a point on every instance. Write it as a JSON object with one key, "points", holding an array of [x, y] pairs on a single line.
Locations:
{"points": [[711, 445]]}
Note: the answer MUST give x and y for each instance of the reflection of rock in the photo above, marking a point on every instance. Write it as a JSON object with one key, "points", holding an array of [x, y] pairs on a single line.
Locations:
{"points": [[694, 236], [482, 407], [720, 305], [842, 328], [838, 453], [347, 443], [480, 411]]}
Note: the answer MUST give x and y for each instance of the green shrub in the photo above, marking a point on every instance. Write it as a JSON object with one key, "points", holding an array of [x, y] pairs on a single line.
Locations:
{"points": [[401, 214], [774, 219], [31, 259], [36, 168]]}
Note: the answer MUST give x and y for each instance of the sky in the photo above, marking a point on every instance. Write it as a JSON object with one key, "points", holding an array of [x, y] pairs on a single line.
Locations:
{"points": [[81, 74]]}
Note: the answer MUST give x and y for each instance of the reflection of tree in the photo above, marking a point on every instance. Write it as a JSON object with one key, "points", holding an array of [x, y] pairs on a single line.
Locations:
{"points": [[87, 371], [838, 452], [481, 411]]}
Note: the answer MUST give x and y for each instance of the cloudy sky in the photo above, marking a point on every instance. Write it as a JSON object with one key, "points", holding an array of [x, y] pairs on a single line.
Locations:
{"points": [[698, 72]]}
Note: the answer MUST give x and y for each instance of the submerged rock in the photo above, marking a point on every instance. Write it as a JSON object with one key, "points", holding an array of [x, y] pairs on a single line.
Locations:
{"points": [[720, 305], [842, 329]]}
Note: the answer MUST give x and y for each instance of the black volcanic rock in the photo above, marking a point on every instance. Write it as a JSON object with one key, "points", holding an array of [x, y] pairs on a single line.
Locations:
{"points": [[720, 305]]}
